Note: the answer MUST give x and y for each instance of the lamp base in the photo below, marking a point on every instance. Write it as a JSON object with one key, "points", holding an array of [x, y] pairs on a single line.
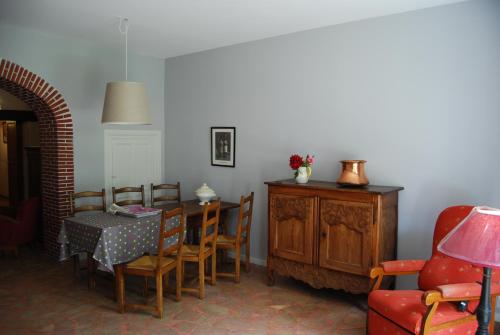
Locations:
{"points": [[483, 313]]}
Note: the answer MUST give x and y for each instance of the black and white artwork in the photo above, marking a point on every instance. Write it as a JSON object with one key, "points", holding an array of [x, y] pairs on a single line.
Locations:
{"points": [[223, 146]]}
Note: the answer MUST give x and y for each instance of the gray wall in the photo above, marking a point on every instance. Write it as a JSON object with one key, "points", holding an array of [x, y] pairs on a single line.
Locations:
{"points": [[80, 69], [414, 94]]}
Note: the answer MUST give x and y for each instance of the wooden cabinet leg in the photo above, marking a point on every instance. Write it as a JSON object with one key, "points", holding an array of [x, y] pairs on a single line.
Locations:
{"points": [[270, 276]]}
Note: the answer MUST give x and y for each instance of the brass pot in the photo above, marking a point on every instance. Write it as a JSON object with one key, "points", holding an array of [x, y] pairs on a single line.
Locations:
{"points": [[353, 173]]}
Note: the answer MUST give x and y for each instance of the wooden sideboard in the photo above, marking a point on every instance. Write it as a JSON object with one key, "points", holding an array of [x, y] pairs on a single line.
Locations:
{"points": [[330, 236]]}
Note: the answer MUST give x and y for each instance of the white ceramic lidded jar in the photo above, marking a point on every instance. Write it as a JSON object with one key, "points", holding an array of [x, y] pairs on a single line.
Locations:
{"points": [[205, 194]]}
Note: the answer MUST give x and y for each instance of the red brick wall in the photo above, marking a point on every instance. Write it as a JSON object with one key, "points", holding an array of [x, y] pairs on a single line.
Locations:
{"points": [[56, 144]]}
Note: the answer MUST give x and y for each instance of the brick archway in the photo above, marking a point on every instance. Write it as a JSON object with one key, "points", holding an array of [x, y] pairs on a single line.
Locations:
{"points": [[56, 144]]}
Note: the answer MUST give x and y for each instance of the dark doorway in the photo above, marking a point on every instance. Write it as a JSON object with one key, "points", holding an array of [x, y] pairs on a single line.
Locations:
{"points": [[20, 169]]}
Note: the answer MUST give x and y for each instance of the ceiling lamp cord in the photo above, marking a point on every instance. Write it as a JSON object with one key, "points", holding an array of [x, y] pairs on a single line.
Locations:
{"points": [[123, 27]]}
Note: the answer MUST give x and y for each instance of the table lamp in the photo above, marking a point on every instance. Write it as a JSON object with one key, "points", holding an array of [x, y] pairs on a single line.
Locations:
{"points": [[477, 240]]}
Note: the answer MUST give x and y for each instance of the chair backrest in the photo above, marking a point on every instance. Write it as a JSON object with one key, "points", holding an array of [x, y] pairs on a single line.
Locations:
{"points": [[245, 216], [169, 230], [442, 269], [28, 216], [165, 197], [210, 224], [129, 189], [446, 221], [88, 207]]}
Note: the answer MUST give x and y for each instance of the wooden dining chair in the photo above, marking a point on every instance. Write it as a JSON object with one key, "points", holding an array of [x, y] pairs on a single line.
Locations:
{"points": [[200, 253], [100, 198], [165, 197], [88, 207], [169, 257], [129, 189], [227, 242]]}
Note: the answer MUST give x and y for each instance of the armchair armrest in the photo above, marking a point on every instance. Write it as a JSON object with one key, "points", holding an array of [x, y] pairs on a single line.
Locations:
{"points": [[7, 219], [458, 292], [395, 268]]}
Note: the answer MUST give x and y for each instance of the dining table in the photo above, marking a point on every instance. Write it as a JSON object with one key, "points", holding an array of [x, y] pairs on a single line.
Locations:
{"points": [[110, 239], [113, 239]]}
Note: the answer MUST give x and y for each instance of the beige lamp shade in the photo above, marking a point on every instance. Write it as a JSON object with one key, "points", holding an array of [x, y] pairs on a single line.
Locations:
{"points": [[126, 102]]}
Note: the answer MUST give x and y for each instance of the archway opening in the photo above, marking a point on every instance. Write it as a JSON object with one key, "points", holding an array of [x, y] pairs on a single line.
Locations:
{"points": [[56, 144]]}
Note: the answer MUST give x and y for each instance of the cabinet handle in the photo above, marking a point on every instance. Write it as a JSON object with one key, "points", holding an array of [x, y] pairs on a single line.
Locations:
{"points": [[323, 234]]}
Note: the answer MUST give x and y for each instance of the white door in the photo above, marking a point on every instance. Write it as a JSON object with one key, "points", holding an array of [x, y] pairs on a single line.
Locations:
{"points": [[132, 158]]}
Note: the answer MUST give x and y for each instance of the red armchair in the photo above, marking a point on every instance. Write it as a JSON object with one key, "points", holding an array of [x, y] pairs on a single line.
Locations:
{"points": [[22, 229], [442, 281]]}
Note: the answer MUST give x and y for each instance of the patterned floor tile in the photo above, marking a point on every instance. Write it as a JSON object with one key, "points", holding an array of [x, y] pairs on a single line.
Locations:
{"points": [[40, 296]]}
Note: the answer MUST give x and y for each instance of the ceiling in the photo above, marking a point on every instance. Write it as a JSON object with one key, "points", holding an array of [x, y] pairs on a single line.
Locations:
{"points": [[167, 28]]}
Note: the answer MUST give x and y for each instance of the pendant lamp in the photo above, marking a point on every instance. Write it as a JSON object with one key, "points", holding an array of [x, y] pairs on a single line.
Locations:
{"points": [[125, 102]]}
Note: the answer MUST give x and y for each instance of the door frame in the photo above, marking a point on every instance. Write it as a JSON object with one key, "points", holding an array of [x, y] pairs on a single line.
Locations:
{"points": [[155, 138]]}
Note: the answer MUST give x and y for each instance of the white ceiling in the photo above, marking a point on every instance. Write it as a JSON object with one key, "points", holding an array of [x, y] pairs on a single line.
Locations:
{"points": [[167, 28]]}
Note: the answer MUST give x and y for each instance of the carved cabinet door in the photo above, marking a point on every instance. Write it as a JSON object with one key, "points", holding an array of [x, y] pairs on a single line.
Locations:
{"points": [[345, 235], [291, 227]]}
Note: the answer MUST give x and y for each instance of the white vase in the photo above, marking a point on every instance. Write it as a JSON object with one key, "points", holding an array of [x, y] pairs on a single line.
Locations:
{"points": [[302, 175]]}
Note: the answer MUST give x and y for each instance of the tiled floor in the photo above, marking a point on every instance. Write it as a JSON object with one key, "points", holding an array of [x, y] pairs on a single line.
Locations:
{"points": [[39, 296]]}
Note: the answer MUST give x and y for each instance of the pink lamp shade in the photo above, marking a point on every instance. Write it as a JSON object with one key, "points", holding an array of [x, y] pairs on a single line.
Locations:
{"points": [[476, 239]]}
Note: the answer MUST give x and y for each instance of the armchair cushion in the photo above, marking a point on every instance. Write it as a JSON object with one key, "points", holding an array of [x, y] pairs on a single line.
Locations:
{"points": [[414, 265], [22, 229], [443, 270], [406, 309]]}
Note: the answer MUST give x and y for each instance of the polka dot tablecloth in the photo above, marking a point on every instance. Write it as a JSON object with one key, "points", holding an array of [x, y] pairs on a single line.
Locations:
{"points": [[112, 239]]}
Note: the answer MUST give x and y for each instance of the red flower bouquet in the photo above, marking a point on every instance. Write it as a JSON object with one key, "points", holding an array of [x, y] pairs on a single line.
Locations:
{"points": [[296, 161]]}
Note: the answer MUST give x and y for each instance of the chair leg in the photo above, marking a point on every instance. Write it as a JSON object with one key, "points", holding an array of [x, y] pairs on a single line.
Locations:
{"points": [[166, 279], [224, 256], [214, 267], [145, 288], [91, 270], [183, 272], [201, 274], [159, 294], [76, 266], [120, 288], [237, 262], [247, 256], [178, 281]]}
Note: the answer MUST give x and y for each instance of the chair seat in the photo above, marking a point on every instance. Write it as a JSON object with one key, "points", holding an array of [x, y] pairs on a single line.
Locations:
{"points": [[192, 250], [405, 308], [149, 263]]}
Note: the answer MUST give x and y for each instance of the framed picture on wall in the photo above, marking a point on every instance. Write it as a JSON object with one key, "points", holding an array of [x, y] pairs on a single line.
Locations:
{"points": [[4, 132], [223, 141]]}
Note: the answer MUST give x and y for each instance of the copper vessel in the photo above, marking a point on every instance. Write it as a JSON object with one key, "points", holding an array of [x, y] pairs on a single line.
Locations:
{"points": [[353, 173]]}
